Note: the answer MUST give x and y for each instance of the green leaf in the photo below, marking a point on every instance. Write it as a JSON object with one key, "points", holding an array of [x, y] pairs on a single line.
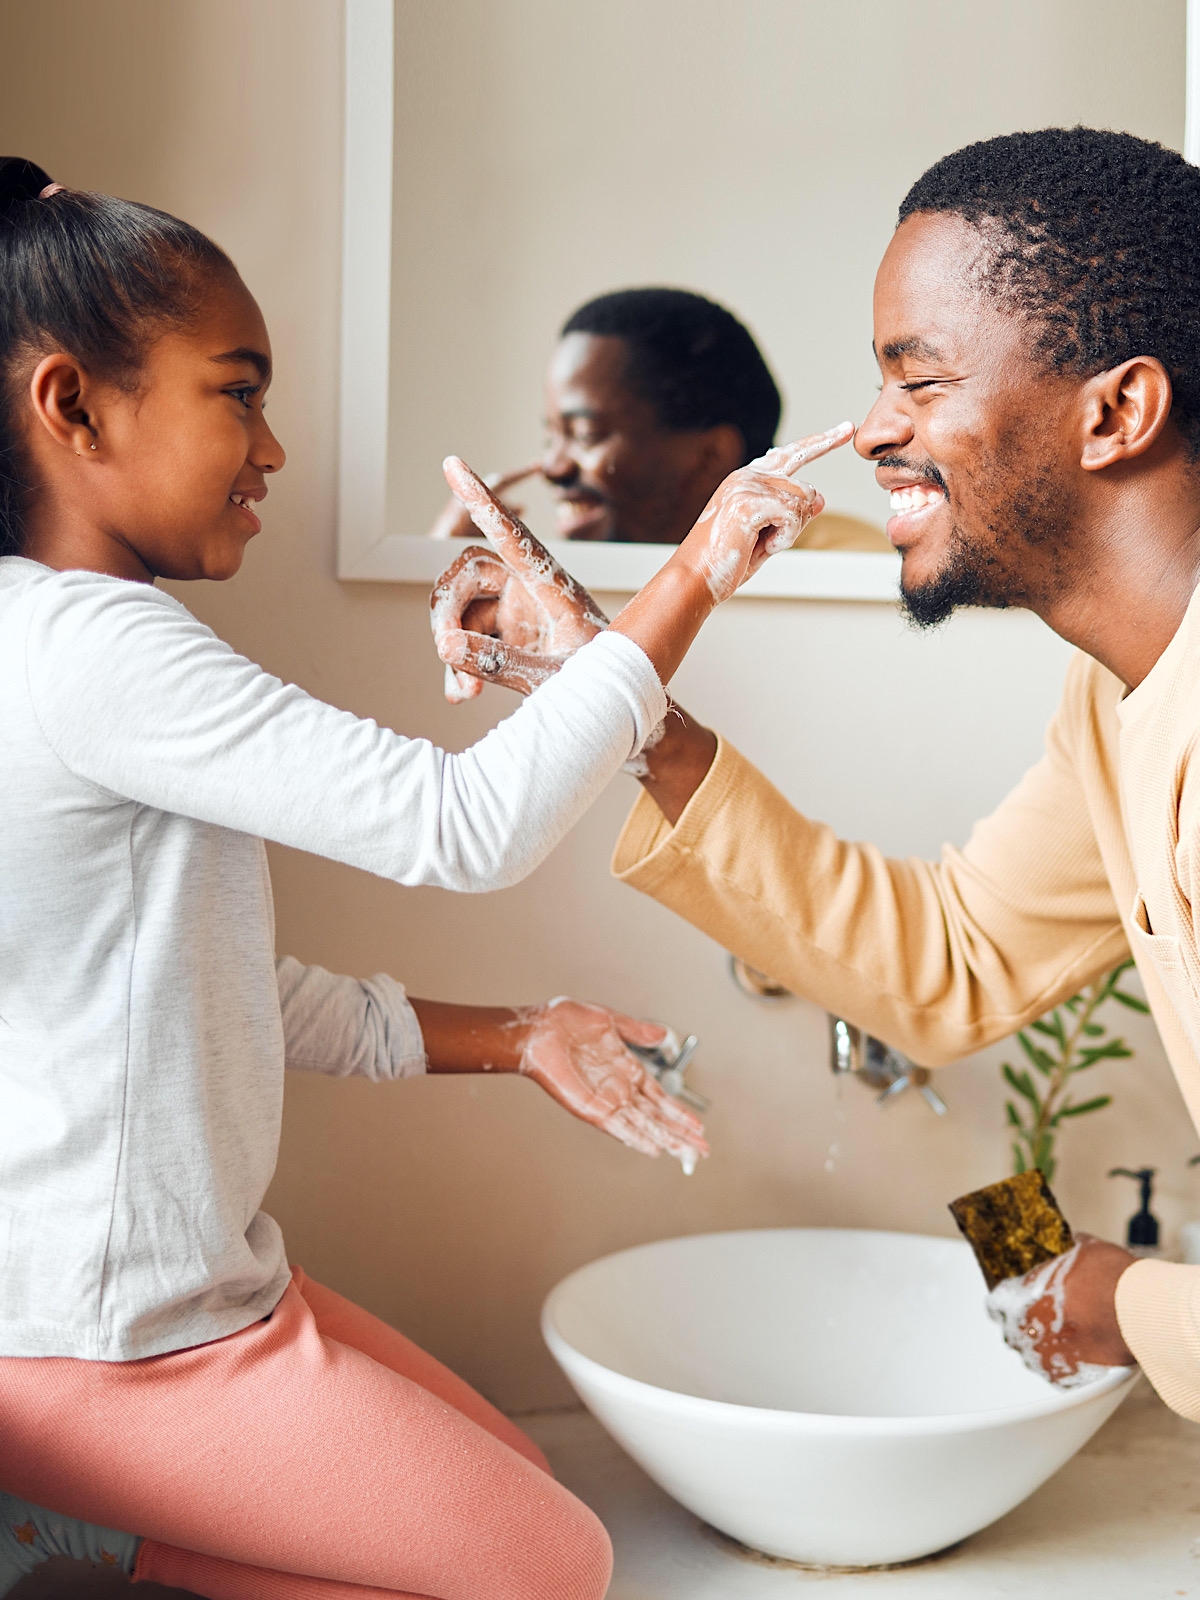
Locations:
{"points": [[1041, 1060], [1014, 1116], [1111, 1050], [1131, 1000], [1098, 1104], [1093, 1029], [1018, 1160], [1023, 1084], [1045, 1027]]}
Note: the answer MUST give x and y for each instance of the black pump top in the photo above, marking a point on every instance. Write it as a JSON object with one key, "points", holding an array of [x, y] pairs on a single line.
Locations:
{"points": [[1142, 1233]]}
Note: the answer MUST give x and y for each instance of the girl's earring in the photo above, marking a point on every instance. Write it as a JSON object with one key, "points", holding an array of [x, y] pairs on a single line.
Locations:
{"points": [[94, 447]]}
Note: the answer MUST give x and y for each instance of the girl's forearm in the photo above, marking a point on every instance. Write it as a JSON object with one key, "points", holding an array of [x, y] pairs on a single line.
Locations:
{"points": [[471, 1038], [665, 616]]}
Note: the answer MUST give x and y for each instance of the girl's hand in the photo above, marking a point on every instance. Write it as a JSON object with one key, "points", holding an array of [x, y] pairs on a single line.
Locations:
{"points": [[454, 520], [756, 512], [512, 617], [577, 1053]]}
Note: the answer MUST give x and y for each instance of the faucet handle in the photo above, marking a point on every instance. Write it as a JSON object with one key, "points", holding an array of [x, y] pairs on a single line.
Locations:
{"points": [[668, 1061], [856, 1052]]}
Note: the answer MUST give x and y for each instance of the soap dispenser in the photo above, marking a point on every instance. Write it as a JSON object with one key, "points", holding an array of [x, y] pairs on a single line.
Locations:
{"points": [[1142, 1234]]}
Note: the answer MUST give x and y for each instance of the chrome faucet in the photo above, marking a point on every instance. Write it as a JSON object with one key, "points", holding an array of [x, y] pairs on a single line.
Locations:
{"points": [[668, 1061], [857, 1054]]}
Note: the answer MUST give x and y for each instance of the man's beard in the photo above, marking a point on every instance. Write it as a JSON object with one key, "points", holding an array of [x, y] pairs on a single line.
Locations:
{"points": [[1018, 561]]}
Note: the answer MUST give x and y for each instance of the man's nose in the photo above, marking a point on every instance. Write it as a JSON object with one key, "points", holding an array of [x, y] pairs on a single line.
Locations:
{"points": [[884, 428], [558, 464]]}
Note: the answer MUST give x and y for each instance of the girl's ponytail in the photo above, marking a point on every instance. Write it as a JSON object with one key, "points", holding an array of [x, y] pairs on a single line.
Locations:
{"points": [[20, 180], [96, 277]]}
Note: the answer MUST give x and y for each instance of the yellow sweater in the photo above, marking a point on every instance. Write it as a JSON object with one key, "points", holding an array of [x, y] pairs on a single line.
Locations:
{"points": [[1096, 852]]}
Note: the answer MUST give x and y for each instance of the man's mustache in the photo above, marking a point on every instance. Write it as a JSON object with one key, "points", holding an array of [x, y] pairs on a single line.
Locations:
{"points": [[925, 470]]}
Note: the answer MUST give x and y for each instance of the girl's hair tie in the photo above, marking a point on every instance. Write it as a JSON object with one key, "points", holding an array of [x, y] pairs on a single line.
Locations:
{"points": [[52, 188], [22, 180]]}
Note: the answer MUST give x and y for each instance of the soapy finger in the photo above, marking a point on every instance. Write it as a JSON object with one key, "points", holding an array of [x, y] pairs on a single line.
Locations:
{"points": [[454, 521], [627, 1129], [476, 574], [784, 459], [517, 547], [459, 687], [674, 1141], [526, 556], [483, 657], [636, 1030]]}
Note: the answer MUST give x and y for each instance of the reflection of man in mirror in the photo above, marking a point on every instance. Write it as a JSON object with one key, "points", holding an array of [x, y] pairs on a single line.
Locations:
{"points": [[1037, 327], [653, 396]]}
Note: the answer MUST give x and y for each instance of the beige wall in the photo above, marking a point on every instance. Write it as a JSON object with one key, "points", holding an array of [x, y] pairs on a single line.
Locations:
{"points": [[451, 1206]]}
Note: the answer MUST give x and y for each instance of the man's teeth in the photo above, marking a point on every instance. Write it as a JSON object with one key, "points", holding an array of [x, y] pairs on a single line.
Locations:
{"points": [[912, 498]]}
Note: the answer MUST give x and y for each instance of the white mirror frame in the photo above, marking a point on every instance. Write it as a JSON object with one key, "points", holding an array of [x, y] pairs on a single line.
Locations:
{"points": [[367, 550]]}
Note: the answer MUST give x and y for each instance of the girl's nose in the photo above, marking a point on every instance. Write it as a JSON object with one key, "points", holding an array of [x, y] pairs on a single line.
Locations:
{"points": [[268, 455], [884, 428]]}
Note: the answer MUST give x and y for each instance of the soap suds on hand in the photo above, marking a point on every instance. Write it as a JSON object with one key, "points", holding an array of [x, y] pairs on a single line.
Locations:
{"points": [[1012, 1304]]}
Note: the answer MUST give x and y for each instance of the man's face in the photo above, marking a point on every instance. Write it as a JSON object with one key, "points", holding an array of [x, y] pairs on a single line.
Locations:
{"points": [[616, 473], [973, 441]]}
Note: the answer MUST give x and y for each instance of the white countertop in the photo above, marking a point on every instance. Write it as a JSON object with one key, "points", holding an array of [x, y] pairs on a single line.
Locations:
{"points": [[1121, 1521]]}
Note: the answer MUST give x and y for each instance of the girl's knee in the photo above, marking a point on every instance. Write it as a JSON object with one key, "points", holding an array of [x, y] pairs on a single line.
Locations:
{"points": [[579, 1557]]}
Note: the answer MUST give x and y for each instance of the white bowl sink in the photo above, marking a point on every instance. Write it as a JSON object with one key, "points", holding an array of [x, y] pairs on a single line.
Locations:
{"points": [[830, 1396]]}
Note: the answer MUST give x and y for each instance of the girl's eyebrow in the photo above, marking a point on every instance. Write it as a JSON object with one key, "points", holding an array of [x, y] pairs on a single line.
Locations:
{"points": [[243, 356]]}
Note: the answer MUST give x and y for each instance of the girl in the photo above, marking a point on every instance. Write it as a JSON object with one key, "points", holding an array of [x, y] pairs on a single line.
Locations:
{"points": [[161, 1368]]}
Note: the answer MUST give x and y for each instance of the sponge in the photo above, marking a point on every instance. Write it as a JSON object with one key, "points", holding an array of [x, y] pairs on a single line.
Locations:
{"points": [[1013, 1226]]}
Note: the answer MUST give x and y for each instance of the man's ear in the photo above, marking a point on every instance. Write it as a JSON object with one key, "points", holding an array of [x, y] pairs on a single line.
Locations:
{"points": [[59, 392], [1124, 412], [723, 450]]}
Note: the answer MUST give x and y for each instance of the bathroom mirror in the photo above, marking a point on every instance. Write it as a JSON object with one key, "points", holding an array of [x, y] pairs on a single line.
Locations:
{"points": [[507, 160]]}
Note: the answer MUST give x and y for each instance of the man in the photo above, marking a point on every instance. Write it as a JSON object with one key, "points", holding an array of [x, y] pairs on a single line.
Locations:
{"points": [[653, 397], [1037, 326]]}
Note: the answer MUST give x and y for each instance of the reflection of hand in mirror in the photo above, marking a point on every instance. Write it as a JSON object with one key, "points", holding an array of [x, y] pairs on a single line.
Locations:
{"points": [[511, 618], [454, 519]]}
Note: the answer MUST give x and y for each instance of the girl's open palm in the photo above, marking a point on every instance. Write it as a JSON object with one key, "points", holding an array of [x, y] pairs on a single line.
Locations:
{"points": [[577, 1053]]}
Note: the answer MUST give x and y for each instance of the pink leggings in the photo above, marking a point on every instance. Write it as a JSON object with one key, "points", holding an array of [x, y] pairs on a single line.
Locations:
{"points": [[317, 1455]]}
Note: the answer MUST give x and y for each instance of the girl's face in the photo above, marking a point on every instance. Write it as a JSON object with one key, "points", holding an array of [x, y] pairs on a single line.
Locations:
{"points": [[179, 463]]}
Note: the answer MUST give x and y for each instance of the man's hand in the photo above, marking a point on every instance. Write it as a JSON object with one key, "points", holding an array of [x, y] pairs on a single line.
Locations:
{"points": [[577, 1053], [454, 520], [1062, 1316], [512, 617]]}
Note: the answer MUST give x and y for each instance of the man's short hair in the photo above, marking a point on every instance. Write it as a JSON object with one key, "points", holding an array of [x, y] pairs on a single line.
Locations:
{"points": [[1092, 235], [691, 359]]}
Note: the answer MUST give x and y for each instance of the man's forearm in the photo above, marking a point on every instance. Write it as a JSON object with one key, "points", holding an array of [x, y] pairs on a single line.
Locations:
{"points": [[678, 764]]}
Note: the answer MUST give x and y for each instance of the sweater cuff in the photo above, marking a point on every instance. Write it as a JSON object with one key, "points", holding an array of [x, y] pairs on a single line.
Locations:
{"points": [[649, 850], [637, 675], [402, 1040], [1158, 1310]]}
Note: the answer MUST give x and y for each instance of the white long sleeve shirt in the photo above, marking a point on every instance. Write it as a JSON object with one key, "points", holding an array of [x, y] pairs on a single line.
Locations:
{"points": [[142, 1020]]}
